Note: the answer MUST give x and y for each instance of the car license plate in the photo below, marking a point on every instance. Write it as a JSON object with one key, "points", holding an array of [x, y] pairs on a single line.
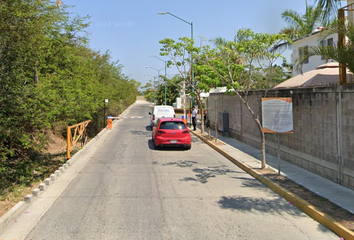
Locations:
{"points": [[173, 141]]}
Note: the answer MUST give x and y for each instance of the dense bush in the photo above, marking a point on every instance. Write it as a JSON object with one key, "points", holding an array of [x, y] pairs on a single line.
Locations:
{"points": [[50, 78]]}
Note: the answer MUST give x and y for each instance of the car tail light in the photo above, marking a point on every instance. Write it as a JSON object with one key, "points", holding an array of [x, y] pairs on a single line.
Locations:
{"points": [[153, 117], [160, 132], [185, 131], [174, 115]]}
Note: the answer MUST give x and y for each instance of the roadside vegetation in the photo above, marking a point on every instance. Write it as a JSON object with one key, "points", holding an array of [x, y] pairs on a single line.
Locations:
{"points": [[49, 79], [251, 60], [244, 64]]}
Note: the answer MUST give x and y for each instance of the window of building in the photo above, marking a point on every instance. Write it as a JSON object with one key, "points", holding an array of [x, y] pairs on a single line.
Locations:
{"points": [[330, 42], [324, 43], [304, 51]]}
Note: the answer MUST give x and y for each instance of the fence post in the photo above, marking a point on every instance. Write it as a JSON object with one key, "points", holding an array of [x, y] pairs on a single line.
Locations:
{"points": [[68, 139]]}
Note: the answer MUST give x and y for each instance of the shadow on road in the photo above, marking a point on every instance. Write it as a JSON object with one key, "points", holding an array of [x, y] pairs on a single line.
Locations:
{"points": [[181, 163], [142, 133], [273, 206], [250, 182], [151, 144], [204, 174]]}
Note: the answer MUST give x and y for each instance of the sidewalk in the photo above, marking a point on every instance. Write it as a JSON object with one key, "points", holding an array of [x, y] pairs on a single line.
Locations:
{"points": [[250, 156]]}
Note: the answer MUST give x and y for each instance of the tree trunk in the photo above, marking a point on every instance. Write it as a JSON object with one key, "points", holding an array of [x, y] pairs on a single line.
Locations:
{"points": [[201, 114], [35, 75], [263, 160], [216, 122], [260, 127]]}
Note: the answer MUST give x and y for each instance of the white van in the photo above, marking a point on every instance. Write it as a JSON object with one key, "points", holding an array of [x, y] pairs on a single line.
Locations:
{"points": [[161, 111]]}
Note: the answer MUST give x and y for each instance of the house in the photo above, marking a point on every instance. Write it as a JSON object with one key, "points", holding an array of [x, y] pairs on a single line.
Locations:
{"points": [[301, 45]]}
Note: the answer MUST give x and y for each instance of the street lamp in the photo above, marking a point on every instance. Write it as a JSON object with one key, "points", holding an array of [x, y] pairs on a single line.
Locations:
{"points": [[191, 60], [190, 23], [158, 80], [165, 72]]}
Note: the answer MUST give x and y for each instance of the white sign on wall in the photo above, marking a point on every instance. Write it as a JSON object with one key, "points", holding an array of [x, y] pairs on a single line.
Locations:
{"points": [[277, 115]]}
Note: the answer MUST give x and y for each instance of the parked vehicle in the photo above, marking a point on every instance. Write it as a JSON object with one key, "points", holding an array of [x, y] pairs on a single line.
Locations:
{"points": [[161, 111], [171, 132]]}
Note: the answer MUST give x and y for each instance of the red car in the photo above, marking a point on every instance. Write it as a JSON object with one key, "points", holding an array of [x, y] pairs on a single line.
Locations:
{"points": [[171, 132]]}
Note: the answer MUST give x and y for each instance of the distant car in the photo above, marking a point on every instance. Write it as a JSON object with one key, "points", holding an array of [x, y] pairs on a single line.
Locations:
{"points": [[161, 111], [171, 132]]}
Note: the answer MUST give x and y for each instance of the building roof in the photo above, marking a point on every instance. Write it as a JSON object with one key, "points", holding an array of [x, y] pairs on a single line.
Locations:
{"points": [[324, 75], [316, 31]]}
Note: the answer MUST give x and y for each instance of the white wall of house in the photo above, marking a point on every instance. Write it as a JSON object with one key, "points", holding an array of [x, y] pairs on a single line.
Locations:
{"points": [[179, 103], [310, 40]]}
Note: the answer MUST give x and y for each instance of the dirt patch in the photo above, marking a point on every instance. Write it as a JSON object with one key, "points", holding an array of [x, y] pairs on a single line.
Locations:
{"points": [[56, 144], [51, 159], [341, 215], [9, 200], [215, 141]]}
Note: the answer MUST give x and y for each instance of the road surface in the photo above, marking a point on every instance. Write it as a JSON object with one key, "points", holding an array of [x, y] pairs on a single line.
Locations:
{"points": [[128, 190]]}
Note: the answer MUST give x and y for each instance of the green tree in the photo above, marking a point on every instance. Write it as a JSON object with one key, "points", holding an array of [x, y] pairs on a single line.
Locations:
{"points": [[173, 89], [330, 8], [180, 54], [27, 40], [49, 79], [254, 48], [149, 92], [302, 25], [270, 77]]}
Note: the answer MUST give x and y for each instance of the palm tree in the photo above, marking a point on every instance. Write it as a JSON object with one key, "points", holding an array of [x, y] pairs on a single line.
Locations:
{"points": [[229, 52], [329, 7], [302, 25], [233, 53]]}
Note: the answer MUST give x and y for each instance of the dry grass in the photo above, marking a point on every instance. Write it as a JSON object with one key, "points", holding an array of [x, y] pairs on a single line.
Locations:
{"points": [[10, 199], [341, 215], [54, 156]]}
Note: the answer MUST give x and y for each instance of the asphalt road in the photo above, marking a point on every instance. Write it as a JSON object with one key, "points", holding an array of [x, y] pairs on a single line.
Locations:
{"points": [[128, 190]]}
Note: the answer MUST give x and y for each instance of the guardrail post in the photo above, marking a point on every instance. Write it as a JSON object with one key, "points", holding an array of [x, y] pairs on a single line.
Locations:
{"points": [[68, 139], [109, 123], [79, 133]]}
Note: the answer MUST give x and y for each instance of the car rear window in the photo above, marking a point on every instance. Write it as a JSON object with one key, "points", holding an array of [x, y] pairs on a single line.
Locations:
{"points": [[172, 125], [164, 110]]}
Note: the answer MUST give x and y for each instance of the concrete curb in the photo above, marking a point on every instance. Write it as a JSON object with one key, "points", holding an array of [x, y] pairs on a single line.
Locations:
{"points": [[15, 211], [11, 215], [305, 206], [19, 208]]}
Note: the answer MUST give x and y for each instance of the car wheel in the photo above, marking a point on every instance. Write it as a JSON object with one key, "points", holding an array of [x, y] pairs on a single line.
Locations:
{"points": [[155, 146], [188, 147]]}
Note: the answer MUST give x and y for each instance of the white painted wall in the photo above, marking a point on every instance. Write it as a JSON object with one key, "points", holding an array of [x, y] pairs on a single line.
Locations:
{"points": [[179, 103], [314, 61]]}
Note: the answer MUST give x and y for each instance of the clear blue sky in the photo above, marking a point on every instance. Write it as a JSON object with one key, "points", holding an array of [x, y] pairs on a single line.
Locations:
{"points": [[131, 30]]}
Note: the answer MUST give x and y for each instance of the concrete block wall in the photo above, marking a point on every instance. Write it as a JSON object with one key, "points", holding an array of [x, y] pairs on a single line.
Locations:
{"points": [[241, 124], [347, 146], [323, 138]]}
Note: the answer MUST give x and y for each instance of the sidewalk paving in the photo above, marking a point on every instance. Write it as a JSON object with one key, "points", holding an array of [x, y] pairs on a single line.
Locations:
{"points": [[336, 193]]}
